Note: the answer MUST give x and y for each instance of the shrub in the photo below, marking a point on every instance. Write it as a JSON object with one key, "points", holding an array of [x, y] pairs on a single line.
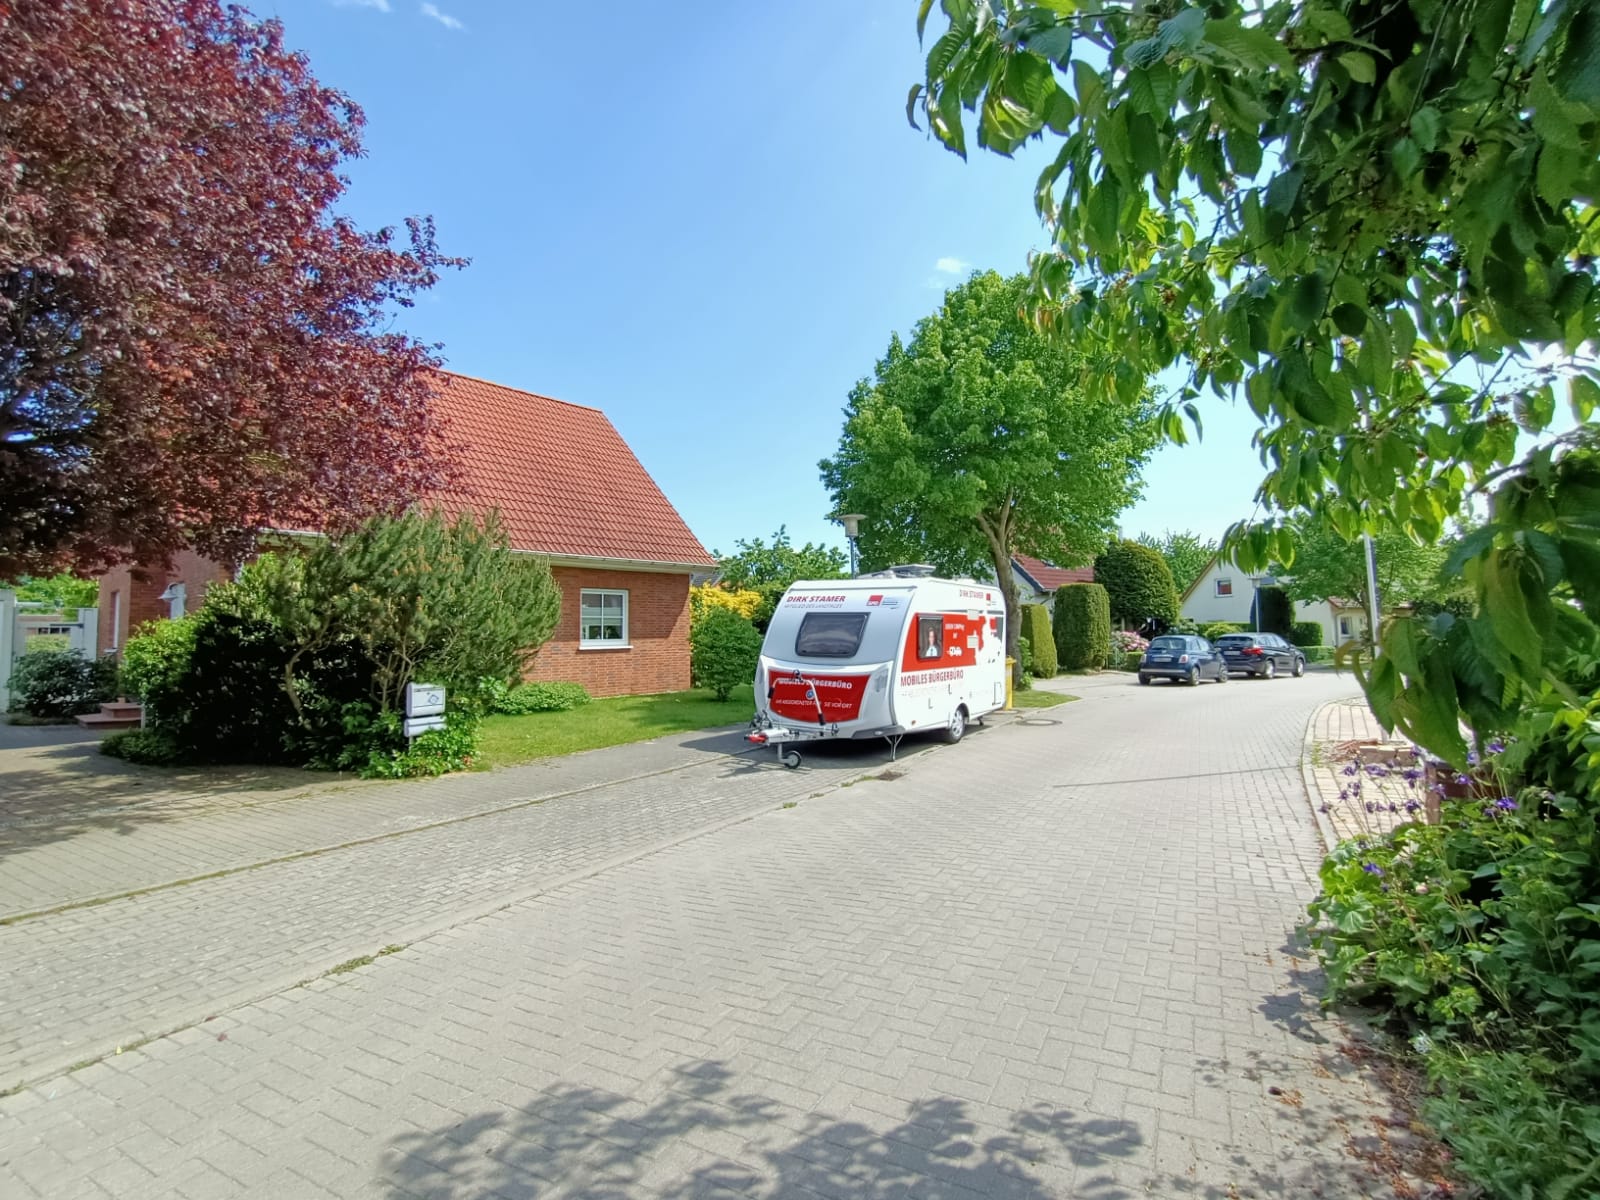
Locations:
{"points": [[723, 651], [48, 641], [542, 697], [1274, 611], [1185, 625], [148, 747], [1124, 642], [1024, 661], [1319, 654], [61, 683], [1306, 633], [745, 601], [437, 752], [1131, 660], [1083, 626], [1212, 630], [1036, 625], [156, 657], [1138, 583]]}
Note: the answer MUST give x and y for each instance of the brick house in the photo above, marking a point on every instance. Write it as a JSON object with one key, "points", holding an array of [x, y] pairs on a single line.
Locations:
{"points": [[1037, 580], [568, 488]]}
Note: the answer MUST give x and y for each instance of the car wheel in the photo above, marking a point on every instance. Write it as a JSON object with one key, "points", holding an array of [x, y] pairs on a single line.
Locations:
{"points": [[956, 727], [1299, 667], [1194, 677], [1222, 675], [1144, 679], [1268, 671]]}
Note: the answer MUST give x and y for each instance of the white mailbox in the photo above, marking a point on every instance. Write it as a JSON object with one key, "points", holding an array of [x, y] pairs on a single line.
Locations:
{"points": [[424, 700], [424, 708]]}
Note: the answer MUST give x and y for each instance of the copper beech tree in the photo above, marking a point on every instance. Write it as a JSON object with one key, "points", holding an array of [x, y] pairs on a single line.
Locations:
{"points": [[193, 344]]}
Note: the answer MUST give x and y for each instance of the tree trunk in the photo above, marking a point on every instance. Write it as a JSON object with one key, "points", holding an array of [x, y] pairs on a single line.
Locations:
{"points": [[1008, 591]]}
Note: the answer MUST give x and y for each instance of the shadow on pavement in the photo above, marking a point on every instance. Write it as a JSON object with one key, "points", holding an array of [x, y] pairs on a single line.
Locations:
{"points": [[825, 756], [703, 1137]]}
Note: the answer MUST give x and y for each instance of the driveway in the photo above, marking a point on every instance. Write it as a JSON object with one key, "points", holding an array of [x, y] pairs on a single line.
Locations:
{"points": [[1055, 960]]}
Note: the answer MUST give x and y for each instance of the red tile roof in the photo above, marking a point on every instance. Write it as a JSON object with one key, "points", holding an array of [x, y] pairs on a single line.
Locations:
{"points": [[564, 480], [1049, 577]]}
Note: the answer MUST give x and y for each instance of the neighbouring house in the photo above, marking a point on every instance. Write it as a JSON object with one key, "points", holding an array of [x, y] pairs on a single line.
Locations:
{"points": [[568, 488], [1223, 592], [1037, 580]]}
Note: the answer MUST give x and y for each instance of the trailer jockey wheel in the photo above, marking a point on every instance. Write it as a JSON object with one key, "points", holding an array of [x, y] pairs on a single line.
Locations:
{"points": [[792, 759]]}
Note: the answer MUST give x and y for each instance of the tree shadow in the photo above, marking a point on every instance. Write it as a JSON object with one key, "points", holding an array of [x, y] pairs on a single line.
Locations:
{"points": [[705, 1138], [59, 789]]}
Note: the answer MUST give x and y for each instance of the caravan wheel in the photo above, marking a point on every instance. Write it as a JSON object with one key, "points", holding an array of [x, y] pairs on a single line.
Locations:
{"points": [[792, 759], [957, 725]]}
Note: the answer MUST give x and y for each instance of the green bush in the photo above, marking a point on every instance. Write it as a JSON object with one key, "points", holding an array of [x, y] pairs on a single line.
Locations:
{"points": [[723, 651], [528, 698], [1306, 633], [1036, 625], [1138, 583], [1025, 661], [437, 752], [1185, 625], [1274, 611], [1319, 654], [1082, 626], [1131, 660], [156, 657], [1212, 630], [148, 747], [61, 683], [48, 641]]}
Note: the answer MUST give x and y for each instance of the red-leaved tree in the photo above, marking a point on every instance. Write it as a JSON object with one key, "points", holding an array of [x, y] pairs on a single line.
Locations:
{"points": [[193, 344]]}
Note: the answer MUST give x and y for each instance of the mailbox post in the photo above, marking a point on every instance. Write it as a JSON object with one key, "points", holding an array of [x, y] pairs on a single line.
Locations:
{"points": [[424, 708]]}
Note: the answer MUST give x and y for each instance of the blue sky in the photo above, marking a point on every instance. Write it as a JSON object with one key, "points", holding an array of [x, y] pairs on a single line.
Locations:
{"points": [[706, 225]]}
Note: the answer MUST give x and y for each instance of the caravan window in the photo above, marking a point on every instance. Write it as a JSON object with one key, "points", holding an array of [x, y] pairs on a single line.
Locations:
{"points": [[930, 637], [829, 635]]}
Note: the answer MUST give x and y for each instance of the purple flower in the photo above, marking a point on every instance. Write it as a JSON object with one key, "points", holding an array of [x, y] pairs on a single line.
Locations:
{"points": [[1344, 793], [1412, 774], [1393, 807], [1349, 770], [1372, 868], [1462, 780], [1371, 807], [1506, 804], [1412, 806], [1437, 789], [1496, 747], [1322, 808], [1472, 758]]}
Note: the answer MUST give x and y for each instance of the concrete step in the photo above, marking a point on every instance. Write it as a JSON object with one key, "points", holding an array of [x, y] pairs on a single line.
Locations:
{"points": [[122, 708], [118, 715]]}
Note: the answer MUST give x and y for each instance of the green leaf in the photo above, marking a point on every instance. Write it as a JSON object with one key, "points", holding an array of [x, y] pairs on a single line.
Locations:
{"points": [[1425, 124], [1577, 72], [1152, 89], [1351, 319], [1244, 152], [1054, 43], [1249, 45], [911, 105], [923, 10], [1184, 31], [1359, 66], [945, 120], [1307, 296], [1583, 395], [1406, 157]]}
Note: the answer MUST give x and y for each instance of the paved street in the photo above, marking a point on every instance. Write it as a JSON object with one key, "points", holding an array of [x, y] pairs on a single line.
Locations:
{"points": [[1055, 960]]}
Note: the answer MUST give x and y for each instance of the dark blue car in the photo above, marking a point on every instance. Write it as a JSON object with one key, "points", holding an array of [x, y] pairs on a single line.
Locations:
{"points": [[1182, 656]]}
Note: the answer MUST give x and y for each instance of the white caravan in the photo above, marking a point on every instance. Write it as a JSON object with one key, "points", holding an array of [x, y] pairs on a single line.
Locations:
{"points": [[879, 656]]}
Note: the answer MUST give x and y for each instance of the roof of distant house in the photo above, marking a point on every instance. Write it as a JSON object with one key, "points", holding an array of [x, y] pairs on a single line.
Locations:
{"points": [[565, 482], [1048, 577]]}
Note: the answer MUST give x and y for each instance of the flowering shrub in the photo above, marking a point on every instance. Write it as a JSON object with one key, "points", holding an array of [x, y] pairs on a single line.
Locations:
{"points": [[1125, 642], [706, 597]]}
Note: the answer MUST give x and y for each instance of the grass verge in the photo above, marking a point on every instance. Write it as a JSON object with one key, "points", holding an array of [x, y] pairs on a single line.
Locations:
{"points": [[506, 741], [1038, 699]]}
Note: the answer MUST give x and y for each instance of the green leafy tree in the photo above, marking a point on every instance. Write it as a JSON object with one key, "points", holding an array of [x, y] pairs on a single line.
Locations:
{"points": [[64, 591], [1366, 220], [757, 564], [1082, 627], [1138, 583], [1328, 567], [1274, 611], [1187, 554], [976, 440]]}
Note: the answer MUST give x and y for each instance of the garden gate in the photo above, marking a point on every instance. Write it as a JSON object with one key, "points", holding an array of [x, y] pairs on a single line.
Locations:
{"points": [[19, 627]]}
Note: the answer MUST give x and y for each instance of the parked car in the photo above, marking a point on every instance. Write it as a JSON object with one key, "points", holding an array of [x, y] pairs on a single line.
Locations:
{"points": [[1262, 654], [1182, 656]]}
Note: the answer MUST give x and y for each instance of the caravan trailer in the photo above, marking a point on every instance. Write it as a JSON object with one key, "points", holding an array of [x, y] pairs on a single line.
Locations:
{"points": [[879, 656]]}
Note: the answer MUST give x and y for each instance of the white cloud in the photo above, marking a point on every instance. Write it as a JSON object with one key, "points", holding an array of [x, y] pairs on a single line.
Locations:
{"points": [[380, 5], [445, 19], [952, 266]]}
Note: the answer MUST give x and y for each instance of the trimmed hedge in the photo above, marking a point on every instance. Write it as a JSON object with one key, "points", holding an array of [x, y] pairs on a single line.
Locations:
{"points": [[1319, 654], [1306, 633], [724, 649], [1036, 628], [1138, 583], [1212, 630], [1083, 627]]}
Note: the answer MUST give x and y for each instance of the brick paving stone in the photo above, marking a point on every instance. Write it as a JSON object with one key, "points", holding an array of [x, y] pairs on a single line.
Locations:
{"points": [[1041, 963]]}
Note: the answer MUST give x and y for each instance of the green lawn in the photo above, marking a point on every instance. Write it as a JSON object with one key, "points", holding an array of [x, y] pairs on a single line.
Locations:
{"points": [[1037, 699], [510, 740]]}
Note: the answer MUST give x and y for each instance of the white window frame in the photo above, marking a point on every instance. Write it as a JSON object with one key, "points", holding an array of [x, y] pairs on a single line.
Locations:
{"points": [[621, 643], [1225, 581], [116, 620], [1344, 627], [177, 598]]}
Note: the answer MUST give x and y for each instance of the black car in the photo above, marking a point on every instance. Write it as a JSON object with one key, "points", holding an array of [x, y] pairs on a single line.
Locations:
{"points": [[1182, 656], [1263, 654]]}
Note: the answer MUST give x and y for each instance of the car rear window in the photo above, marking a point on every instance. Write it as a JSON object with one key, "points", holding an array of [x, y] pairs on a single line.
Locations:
{"points": [[1237, 639], [829, 635], [1169, 643]]}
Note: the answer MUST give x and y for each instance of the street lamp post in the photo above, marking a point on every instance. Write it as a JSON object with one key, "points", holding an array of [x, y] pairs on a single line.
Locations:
{"points": [[852, 528]]}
